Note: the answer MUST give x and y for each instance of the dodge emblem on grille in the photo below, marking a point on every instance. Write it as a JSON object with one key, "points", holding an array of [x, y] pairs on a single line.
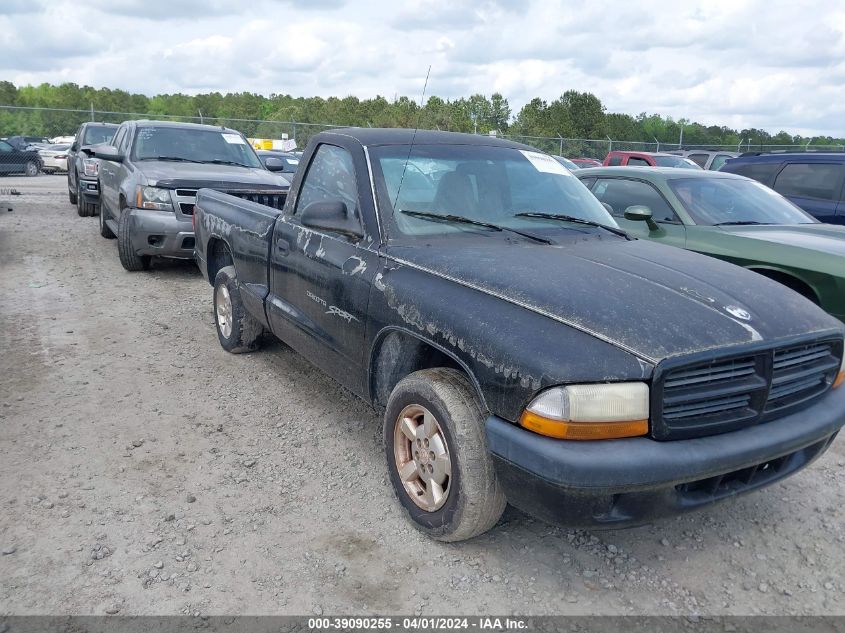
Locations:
{"points": [[738, 312]]}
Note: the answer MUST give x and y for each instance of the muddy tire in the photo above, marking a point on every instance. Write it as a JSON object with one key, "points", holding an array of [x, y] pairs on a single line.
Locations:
{"points": [[130, 260], [105, 231], [434, 426], [237, 330]]}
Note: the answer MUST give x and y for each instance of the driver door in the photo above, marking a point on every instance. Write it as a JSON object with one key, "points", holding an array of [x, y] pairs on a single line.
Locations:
{"points": [[320, 279]]}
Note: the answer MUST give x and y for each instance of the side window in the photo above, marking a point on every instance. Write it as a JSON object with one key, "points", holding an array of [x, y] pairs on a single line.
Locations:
{"points": [[759, 171], [718, 161], [588, 182], [118, 137], [633, 161], [5, 147], [330, 176], [698, 159], [810, 180], [615, 161], [125, 141], [621, 194]]}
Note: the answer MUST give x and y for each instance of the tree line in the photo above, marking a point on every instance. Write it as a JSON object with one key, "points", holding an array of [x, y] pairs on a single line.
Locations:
{"points": [[574, 114]]}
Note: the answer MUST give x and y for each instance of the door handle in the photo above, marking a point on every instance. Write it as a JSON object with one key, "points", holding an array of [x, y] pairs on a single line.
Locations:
{"points": [[283, 246]]}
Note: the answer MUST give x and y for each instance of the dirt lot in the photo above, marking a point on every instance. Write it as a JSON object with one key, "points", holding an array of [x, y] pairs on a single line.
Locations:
{"points": [[144, 470]]}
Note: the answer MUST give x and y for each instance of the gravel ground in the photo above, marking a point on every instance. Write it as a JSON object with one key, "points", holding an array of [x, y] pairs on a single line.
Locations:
{"points": [[143, 470]]}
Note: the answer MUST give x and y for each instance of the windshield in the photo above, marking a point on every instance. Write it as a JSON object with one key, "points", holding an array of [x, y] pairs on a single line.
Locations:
{"points": [[675, 161], [733, 201], [97, 135], [194, 145], [481, 183]]}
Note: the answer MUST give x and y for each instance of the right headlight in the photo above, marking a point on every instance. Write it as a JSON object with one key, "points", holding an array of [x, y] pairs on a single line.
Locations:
{"points": [[590, 412], [153, 198]]}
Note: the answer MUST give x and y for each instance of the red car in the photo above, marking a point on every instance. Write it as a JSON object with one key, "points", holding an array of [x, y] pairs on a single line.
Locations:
{"points": [[586, 162], [648, 159]]}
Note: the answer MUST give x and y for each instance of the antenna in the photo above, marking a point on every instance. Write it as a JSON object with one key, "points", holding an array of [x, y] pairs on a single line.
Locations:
{"points": [[411, 146]]}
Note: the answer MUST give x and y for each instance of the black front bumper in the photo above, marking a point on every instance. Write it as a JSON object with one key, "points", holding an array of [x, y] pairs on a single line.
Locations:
{"points": [[618, 483], [90, 190]]}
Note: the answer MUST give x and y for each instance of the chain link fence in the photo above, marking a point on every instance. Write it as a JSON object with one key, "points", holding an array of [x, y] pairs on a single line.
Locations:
{"points": [[30, 132]]}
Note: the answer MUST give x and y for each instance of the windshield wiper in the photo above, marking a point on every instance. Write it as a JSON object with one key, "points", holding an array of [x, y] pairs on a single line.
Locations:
{"points": [[572, 218], [217, 161], [739, 223], [173, 158], [440, 217]]}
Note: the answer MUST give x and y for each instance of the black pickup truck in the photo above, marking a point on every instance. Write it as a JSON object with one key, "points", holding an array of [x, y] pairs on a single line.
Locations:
{"points": [[523, 347]]}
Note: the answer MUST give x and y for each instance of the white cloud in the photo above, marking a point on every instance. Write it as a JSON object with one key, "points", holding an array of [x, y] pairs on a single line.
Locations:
{"points": [[772, 64]]}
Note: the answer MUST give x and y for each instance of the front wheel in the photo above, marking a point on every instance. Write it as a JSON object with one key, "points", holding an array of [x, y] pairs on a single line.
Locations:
{"points": [[83, 209], [71, 194], [105, 231], [437, 456], [237, 330], [128, 257]]}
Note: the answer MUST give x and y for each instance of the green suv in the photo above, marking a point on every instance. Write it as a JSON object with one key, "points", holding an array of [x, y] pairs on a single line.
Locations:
{"points": [[730, 217]]}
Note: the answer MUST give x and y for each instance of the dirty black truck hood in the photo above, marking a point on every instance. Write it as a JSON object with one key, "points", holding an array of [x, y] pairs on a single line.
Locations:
{"points": [[171, 175], [649, 299]]}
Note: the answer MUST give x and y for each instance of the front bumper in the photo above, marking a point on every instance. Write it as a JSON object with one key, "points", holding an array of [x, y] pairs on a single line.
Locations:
{"points": [[619, 483], [90, 190], [161, 233]]}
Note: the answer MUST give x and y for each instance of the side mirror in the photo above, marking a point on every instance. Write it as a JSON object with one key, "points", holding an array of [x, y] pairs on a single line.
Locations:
{"points": [[274, 164], [331, 215], [641, 213], [108, 152], [74, 147]]}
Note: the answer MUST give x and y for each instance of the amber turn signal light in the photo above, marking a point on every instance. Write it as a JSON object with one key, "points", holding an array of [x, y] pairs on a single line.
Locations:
{"points": [[566, 430]]}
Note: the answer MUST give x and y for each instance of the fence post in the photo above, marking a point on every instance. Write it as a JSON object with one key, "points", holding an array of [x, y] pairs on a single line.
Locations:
{"points": [[561, 145], [609, 145]]}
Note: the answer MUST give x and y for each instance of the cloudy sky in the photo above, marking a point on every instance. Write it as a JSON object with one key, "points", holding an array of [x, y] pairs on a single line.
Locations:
{"points": [[770, 64]]}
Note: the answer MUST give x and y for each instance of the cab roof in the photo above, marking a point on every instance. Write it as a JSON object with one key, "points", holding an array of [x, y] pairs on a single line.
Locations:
{"points": [[403, 136]]}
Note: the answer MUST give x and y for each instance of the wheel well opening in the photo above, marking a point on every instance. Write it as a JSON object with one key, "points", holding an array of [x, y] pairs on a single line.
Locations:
{"points": [[219, 256], [793, 283], [398, 355]]}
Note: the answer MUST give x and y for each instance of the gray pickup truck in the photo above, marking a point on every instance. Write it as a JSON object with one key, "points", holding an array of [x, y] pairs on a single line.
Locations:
{"points": [[149, 176], [521, 345], [83, 183]]}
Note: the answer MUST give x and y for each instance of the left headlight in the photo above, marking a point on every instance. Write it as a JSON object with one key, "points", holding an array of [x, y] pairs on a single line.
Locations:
{"points": [[91, 166], [153, 198], [840, 377], [590, 412]]}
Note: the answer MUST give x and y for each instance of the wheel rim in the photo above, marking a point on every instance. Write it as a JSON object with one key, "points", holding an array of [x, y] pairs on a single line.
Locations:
{"points": [[31, 169], [224, 311], [422, 458]]}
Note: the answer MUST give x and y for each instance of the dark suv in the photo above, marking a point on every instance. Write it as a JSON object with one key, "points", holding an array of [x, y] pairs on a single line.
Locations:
{"points": [[83, 187], [812, 180]]}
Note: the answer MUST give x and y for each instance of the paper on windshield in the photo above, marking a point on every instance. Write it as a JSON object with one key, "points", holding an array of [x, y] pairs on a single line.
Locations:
{"points": [[234, 139], [545, 163]]}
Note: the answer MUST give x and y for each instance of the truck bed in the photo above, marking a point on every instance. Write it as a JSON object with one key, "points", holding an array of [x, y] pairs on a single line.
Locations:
{"points": [[245, 219]]}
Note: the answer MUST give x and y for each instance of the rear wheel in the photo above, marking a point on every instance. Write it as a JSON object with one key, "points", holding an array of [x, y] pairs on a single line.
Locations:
{"points": [[31, 169], [437, 456], [237, 330], [130, 260]]}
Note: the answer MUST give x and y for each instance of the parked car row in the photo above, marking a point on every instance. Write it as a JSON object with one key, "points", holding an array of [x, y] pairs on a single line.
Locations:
{"points": [[524, 347]]}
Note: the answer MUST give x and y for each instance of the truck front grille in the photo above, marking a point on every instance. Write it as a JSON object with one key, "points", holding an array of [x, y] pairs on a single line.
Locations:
{"points": [[726, 394]]}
